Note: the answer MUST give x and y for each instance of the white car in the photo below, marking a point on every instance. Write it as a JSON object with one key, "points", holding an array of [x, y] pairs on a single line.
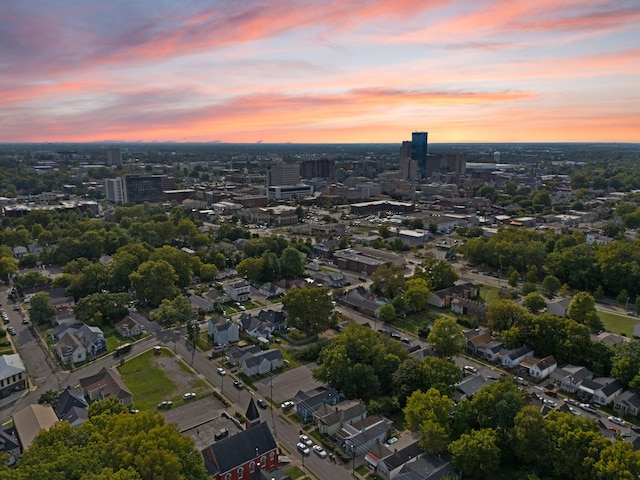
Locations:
{"points": [[391, 441], [617, 421], [306, 440], [319, 451], [221, 371], [189, 396], [287, 405], [303, 448], [471, 369], [588, 408]]}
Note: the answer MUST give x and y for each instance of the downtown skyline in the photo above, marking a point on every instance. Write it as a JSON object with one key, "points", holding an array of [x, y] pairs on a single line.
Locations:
{"points": [[320, 72]]}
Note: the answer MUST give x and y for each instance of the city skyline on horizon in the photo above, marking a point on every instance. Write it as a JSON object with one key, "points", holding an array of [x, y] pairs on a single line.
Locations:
{"points": [[361, 71]]}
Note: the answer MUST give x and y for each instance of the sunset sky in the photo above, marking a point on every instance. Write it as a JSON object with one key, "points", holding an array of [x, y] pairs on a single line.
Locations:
{"points": [[319, 71]]}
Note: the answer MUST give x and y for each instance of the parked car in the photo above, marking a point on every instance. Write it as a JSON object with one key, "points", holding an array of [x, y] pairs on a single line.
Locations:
{"points": [[11, 330], [165, 404], [188, 396], [287, 405], [588, 408], [551, 393], [303, 448], [306, 440], [221, 371], [319, 451], [617, 421], [391, 441], [261, 403], [238, 384], [471, 369], [5, 344]]}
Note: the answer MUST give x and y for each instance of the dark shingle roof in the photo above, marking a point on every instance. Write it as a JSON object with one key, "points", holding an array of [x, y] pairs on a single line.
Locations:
{"points": [[232, 452]]}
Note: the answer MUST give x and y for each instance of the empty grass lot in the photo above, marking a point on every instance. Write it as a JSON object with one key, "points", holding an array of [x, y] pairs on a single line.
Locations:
{"points": [[148, 382], [615, 323]]}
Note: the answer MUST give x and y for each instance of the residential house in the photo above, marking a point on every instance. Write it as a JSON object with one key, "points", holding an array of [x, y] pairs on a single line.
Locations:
{"points": [[31, 420], [216, 296], [223, 331], [237, 290], [20, 251], [425, 467], [490, 349], [511, 358], [442, 298], [278, 319], [325, 249], [360, 436], [570, 377], [376, 453], [539, 367], [601, 390], [9, 444], [475, 342], [201, 304], [61, 330], [241, 456], [70, 350], [262, 362], [237, 353], [627, 403], [608, 392], [390, 466], [13, 375], [309, 402], [559, 307], [270, 290], [92, 339], [128, 327], [331, 279], [610, 339], [254, 327], [329, 419], [72, 406], [470, 308], [356, 301], [226, 273], [468, 387], [106, 383]]}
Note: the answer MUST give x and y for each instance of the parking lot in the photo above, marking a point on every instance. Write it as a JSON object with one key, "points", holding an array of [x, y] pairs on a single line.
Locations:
{"points": [[287, 384]]}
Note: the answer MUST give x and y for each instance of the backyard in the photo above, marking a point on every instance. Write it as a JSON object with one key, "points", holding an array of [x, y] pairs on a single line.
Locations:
{"points": [[154, 378]]}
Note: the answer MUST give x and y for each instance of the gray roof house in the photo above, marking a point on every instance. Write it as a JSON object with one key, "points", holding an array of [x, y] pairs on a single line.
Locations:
{"points": [[92, 339], [426, 467], [602, 390], [9, 444], [70, 350], [570, 377], [627, 403], [71, 406], [511, 358], [559, 307], [201, 304], [468, 387], [329, 419], [263, 362], [308, 402], [357, 438], [223, 330]]}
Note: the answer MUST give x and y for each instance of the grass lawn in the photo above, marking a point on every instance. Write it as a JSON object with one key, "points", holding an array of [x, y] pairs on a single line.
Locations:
{"points": [[620, 324], [488, 293], [147, 382]]}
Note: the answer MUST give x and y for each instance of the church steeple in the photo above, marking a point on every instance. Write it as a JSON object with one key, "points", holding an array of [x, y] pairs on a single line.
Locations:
{"points": [[252, 416]]}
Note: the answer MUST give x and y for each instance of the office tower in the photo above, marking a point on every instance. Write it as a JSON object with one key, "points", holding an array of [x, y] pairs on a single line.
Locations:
{"points": [[283, 174], [419, 152], [114, 156], [145, 188], [113, 191], [322, 168]]}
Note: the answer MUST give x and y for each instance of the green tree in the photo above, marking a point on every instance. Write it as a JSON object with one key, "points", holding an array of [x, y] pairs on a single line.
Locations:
{"points": [[308, 309], [172, 312], [50, 397], [387, 312], [582, 309], [208, 272], [384, 231], [618, 461], [154, 281], [291, 263], [417, 294], [40, 308], [550, 286], [270, 267], [503, 314], [111, 307], [534, 302], [626, 363], [251, 269], [476, 454], [446, 337], [513, 278], [439, 273], [530, 437], [183, 264], [8, 267], [388, 280], [427, 406], [359, 363]]}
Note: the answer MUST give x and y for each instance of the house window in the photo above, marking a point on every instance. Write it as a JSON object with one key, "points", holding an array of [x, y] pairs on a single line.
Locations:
{"points": [[227, 476], [240, 472], [252, 467], [271, 456]]}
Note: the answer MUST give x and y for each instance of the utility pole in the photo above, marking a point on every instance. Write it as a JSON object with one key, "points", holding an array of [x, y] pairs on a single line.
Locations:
{"points": [[273, 422]]}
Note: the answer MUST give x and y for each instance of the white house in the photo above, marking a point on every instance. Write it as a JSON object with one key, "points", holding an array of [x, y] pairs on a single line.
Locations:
{"points": [[223, 331], [511, 358], [540, 367], [70, 350], [13, 375], [128, 327], [237, 290], [262, 362], [608, 393]]}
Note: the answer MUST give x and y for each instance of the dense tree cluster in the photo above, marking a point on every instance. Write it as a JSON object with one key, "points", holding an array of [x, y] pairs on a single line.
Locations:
{"points": [[112, 444]]}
